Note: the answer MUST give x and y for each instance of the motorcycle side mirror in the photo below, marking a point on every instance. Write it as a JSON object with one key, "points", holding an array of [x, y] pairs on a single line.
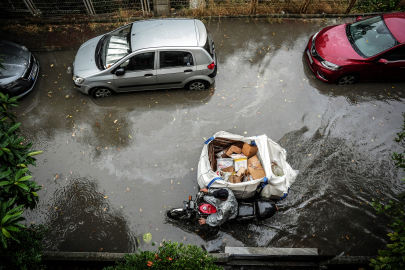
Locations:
{"points": [[358, 18], [120, 72], [383, 61]]}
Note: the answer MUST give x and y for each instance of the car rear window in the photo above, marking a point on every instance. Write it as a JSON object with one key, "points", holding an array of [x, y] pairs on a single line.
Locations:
{"points": [[207, 46]]}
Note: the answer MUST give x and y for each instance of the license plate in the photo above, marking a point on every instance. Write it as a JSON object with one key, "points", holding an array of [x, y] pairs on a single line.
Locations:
{"points": [[309, 57]]}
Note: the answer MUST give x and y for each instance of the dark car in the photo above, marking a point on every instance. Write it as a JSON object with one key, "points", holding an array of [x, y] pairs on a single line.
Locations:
{"points": [[372, 49], [21, 69]]}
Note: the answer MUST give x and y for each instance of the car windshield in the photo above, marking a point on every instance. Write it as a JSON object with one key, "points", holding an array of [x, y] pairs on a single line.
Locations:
{"points": [[116, 45], [371, 36]]}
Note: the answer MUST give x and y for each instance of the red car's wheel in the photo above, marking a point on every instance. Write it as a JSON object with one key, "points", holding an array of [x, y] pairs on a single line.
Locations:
{"points": [[348, 79]]}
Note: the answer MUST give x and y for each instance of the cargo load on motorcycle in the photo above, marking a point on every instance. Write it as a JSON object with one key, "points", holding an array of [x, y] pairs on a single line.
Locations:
{"points": [[246, 165]]}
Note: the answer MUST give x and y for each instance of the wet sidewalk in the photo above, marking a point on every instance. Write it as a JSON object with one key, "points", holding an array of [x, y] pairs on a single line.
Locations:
{"points": [[72, 36], [55, 37]]}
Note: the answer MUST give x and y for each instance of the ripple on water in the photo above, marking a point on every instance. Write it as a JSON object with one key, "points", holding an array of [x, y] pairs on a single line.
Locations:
{"points": [[81, 216]]}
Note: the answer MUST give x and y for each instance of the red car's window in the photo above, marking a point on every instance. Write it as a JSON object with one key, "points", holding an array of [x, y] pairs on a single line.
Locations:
{"points": [[372, 36], [396, 54]]}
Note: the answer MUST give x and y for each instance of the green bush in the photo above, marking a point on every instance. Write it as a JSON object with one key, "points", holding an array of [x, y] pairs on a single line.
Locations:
{"points": [[26, 254], [9, 218], [15, 157], [394, 256], [376, 6], [169, 256]]}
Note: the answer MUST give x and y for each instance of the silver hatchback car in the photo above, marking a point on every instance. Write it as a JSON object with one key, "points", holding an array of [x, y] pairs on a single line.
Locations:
{"points": [[147, 55]]}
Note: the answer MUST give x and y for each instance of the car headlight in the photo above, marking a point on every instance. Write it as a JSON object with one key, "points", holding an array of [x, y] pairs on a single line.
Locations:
{"points": [[314, 36], [77, 79], [330, 65], [10, 85]]}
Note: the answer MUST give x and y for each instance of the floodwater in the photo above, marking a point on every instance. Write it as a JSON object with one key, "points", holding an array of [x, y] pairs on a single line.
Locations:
{"points": [[111, 168]]}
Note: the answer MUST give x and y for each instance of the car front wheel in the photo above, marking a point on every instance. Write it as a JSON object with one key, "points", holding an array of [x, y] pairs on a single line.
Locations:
{"points": [[347, 80], [101, 92]]}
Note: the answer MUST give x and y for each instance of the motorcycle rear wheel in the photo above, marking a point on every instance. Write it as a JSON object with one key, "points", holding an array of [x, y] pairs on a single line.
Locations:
{"points": [[177, 214]]}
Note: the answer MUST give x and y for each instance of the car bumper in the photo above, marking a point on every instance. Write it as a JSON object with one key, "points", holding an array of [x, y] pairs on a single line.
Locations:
{"points": [[322, 73], [27, 85]]}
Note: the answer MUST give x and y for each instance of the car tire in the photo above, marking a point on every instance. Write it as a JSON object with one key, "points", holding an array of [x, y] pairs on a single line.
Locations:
{"points": [[101, 92], [198, 85], [347, 79]]}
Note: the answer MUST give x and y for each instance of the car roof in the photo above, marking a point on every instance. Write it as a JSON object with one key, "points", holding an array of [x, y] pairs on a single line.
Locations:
{"points": [[396, 24], [164, 33]]}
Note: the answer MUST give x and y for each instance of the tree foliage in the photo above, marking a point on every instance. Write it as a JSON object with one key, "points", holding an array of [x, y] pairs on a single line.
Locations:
{"points": [[394, 256], [26, 252], [170, 256]]}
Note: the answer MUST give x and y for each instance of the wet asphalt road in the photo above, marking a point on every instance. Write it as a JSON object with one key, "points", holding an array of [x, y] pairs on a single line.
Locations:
{"points": [[112, 167]]}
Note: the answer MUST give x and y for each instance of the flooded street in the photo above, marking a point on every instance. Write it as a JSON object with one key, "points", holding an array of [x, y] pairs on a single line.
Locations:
{"points": [[112, 167]]}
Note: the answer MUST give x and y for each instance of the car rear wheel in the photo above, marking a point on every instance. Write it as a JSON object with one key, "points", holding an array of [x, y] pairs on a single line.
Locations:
{"points": [[101, 92], [347, 80], [197, 85]]}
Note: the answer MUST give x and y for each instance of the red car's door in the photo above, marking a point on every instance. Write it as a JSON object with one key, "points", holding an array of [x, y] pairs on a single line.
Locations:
{"points": [[394, 68]]}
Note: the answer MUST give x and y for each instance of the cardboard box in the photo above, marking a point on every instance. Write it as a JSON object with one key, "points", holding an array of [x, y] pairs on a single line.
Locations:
{"points": [[249, 150], [255, 168], [233, 149], [238, 177], [228, 169]]}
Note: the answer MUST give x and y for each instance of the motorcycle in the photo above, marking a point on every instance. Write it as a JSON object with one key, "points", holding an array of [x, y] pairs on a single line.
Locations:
{"points": [[257, 208]]}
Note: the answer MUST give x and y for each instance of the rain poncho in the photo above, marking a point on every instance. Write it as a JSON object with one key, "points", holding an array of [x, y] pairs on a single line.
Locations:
{"points": [[225, 209]]}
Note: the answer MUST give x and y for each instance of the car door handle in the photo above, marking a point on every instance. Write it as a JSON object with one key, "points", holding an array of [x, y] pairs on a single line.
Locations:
{"points": [[188, 70], [148, 75]]}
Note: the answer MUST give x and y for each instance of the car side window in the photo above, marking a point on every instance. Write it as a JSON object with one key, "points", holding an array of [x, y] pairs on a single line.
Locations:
{"points": [[175, 59], [396, 54], [142, 61]]}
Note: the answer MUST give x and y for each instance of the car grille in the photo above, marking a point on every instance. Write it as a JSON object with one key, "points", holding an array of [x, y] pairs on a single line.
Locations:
{"points": [[315, 54], [27, 72]]}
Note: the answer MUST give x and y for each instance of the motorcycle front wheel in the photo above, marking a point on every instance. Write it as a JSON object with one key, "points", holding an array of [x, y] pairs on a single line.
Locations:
{"points": [[177, 213]]}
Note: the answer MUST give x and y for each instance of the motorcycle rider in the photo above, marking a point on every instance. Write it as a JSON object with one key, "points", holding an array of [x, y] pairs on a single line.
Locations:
{"points": [[225, 202]]}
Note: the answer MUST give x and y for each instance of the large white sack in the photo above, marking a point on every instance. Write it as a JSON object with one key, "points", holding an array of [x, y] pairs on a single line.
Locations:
{"points": [[268, 151]]}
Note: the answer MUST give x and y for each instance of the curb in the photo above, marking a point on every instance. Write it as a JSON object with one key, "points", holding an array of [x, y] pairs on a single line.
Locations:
{"points": [[280, 16], [223, 258]]}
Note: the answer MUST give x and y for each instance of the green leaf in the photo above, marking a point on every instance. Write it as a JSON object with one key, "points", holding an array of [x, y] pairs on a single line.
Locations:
{"points": [[35, 194], [25, 178], [34, 153], [5, 174], [14, 127], [23, 186], [147, 237], [6, 233], [4, 183], [11, 228], [5, 218], [6, 150]]}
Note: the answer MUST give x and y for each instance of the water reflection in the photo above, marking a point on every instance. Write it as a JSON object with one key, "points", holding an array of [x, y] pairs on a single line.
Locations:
{"points": [[82, 219], [358, 92]]}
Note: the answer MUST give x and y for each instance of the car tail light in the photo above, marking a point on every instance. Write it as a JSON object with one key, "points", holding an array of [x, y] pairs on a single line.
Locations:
{"points": [[211, 66]]}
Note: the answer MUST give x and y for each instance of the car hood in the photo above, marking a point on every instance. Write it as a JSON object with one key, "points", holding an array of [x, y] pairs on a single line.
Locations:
{"points": [[85, 63], [15, 61], [332, 44]]}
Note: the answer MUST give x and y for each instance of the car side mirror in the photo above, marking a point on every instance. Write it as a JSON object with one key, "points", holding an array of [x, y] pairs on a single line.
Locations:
{"points": [[383, 61], [358, 18], [120, 72]]}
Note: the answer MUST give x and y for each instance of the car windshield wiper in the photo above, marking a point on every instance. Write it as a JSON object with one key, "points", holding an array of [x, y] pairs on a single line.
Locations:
{"points": [[99, 48], [351, 40]]}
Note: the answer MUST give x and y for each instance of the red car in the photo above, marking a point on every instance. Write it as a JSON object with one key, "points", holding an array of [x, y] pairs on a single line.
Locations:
{"points": [[372, 49]]}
